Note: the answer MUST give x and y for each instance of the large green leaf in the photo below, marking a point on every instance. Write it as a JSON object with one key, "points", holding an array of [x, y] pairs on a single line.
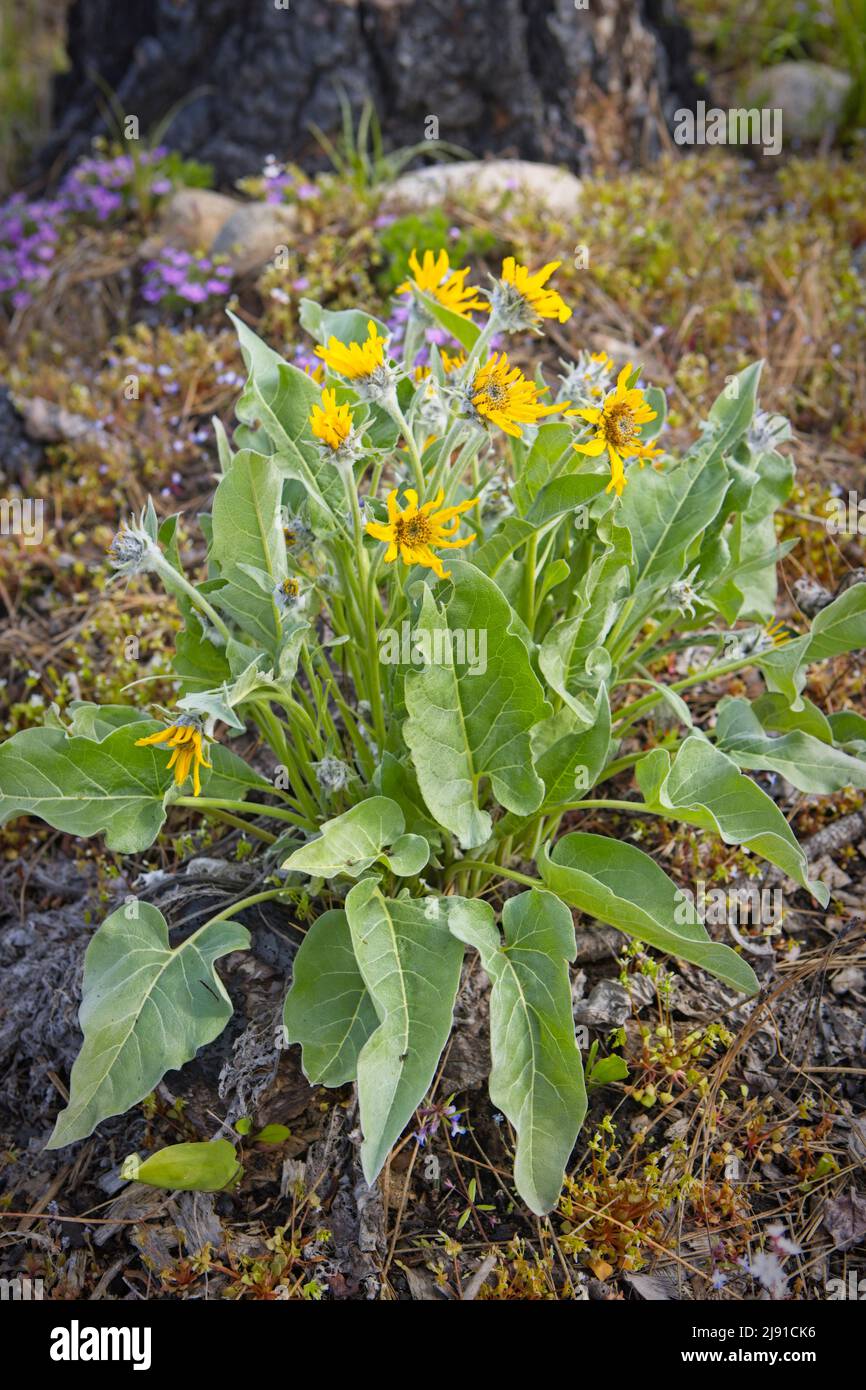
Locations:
{"points": [[807, 762], [249, 547], [463, 329], [570, 649], [464, 723], [146, 1010], [840, 627], [570, 749], [704, 787], [410, 963], [88, 787], [849, 729], [837, 629], [328, 1010], [552, 442], [346, 325], [666, 513], [98, 721], [277, 397], [556, 499], [619, 884], [349, 844], [732, 412], [537, 1075]]}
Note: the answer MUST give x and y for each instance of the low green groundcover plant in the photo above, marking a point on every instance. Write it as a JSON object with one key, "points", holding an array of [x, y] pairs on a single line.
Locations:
{"points": [[444, 598]]}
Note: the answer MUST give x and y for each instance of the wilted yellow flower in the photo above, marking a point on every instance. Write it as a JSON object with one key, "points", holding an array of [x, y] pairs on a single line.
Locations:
{"points": [[330, 422], [539, 301], [415, 533], [448, 287], [505, 396], [355, 360], [186, 738], [617, 424], [779, 632]]}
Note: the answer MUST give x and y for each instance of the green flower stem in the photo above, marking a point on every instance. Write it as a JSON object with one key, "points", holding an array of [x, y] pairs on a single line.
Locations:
{"points": [[627, 714], [213, 803], [619, 765], [173, 578], [417, 469], [481, 344], [361, 748], [529, 562], [247, 827], [293, 759], [649, 642], [467, 457], [461, 866], [267, 896], [445, 455]]}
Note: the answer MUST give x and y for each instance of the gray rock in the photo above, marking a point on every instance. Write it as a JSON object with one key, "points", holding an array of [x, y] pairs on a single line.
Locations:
{"points": [[609, 1004], [811, 96], [191, 220], [488, 181], [253, 235]]}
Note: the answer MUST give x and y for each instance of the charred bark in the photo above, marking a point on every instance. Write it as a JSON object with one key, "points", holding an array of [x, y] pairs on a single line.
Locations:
{"points": [[538, 79]]}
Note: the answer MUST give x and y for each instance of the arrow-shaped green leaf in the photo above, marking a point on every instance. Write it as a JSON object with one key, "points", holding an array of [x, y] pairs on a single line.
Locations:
{"points": [[410, 963], [537, 1076], [351, 843], [328, 1010], [620, 885], [465, 722], [704, 787], [146, 1010]]}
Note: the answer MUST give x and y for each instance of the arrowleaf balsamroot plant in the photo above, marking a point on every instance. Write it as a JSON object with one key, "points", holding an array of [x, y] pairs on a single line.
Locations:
{"points": [[444, 600]]}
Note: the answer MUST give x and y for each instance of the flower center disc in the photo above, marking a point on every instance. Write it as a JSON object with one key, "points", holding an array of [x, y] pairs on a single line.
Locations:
{"points": [[619, 426], [414, 531]]}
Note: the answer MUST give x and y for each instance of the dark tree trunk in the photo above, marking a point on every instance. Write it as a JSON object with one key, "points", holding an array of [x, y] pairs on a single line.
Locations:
{"points": [[540, 79]]}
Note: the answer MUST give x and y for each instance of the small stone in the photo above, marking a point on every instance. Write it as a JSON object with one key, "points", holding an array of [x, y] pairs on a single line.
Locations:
{"points": [[848, 981], [609, 1004], [253, 235], [811, 96], [554, 190], [190, 220]]}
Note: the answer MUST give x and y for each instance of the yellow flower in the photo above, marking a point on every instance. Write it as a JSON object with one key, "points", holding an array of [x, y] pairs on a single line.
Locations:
{"points": [[317, 373], [617, 423], [504, 395], [452, 364], [330, 422], [354, 360], [778, 632], [417, 532], [544, 303], [448, 287], [449, 364], [185, 737]]}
